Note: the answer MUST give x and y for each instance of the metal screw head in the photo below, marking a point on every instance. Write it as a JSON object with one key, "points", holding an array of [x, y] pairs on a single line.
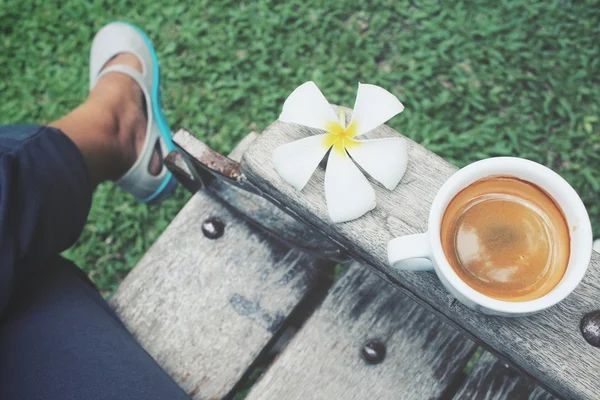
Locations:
{"points": [[373, 351], [213, 228], [590, 328]]}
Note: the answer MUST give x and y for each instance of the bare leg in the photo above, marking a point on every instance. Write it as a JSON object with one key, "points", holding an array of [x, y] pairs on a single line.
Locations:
{"points": [[109, 128]]}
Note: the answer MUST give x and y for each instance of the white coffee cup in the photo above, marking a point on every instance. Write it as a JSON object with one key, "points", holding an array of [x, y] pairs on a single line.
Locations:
{"points": [[407, 252]]}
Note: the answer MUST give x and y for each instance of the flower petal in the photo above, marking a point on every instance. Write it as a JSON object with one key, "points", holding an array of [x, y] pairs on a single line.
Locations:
{"points": [[348, 193], [384, 159], [374, 106], [307, 106], [295, 162]]}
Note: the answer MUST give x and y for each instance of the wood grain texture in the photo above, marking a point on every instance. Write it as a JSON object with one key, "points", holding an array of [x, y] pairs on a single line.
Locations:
{"points": [[253, 207], [491, 379], [323, 361], [548, 345], [176, 164], [204, 309]]}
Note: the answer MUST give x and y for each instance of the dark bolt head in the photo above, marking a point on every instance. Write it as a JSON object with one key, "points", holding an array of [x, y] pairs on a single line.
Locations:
{"points": [[590, 328], [213, 228], [373, 352]]}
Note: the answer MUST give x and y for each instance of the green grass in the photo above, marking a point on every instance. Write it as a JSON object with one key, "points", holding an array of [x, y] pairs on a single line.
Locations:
{"points": [[478, 79], [473, 360]]}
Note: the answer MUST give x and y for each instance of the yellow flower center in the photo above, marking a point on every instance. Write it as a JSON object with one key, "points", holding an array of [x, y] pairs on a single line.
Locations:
{"points": [[339, 137]]}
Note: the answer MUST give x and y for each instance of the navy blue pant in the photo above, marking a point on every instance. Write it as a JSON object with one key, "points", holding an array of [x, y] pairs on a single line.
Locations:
{"points": [[58, 337]]}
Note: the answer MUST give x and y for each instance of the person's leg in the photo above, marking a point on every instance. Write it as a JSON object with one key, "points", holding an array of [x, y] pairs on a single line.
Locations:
{"points": [[110, 127], [45, 195], [58, 337], [45, 187], [60, 341]]}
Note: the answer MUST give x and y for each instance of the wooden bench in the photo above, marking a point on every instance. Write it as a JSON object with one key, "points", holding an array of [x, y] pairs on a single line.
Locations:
{"points": [[214, 305]]}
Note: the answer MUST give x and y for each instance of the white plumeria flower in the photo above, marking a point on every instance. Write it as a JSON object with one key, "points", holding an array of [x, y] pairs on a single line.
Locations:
{"points": [[347, 192]]}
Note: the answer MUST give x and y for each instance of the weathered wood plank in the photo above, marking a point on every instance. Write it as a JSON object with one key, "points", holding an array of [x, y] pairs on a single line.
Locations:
{"points": [[323, 361], [175, 162], [491, 379], [549, 345], [205, 308], [200, 158]]}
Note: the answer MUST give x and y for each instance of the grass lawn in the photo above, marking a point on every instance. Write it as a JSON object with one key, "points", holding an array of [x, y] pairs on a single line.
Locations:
{"points": [[478, 79]]}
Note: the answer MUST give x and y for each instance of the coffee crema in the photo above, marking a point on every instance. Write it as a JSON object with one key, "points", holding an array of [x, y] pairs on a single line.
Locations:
{"points": [[506, 238]]}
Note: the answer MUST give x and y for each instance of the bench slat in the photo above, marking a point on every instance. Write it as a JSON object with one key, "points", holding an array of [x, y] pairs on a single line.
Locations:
{"points": [[491, 379], [548, 346], [205, 308], [323, 361]]}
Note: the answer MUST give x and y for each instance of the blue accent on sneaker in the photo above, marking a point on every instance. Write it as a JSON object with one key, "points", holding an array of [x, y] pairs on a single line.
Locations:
{"points": [[169, 184]]}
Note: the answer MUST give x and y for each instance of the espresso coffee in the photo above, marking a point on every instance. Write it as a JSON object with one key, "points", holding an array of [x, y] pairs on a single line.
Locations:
{"points": [[506, 238]]}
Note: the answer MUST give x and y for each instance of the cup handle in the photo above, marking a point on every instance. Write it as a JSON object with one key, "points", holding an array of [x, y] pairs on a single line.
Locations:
{"points": [[410, 253]]}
